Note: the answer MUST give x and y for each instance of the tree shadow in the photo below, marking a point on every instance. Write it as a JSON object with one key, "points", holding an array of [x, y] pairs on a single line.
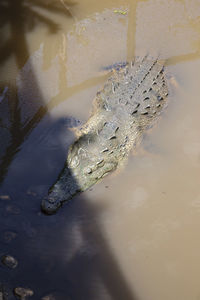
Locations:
{"points": [[22, 17], [41, 243]]}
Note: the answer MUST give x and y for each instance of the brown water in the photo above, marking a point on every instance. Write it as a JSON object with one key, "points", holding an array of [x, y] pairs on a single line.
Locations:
{"points": [[136, 234]]}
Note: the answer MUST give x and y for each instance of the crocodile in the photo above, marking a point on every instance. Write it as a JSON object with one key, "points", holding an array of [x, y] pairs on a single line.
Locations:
{"points": [[130, 102]]}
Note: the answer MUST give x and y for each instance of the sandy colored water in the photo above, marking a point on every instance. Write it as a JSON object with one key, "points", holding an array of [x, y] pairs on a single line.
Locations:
{"points": [[135, 235]]}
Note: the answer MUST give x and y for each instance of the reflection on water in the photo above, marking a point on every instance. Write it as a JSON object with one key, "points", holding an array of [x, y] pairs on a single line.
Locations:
{"points": [[134, 235], [21, 17]]}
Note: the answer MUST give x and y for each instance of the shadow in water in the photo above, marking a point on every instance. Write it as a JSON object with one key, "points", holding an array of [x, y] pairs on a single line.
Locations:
{"points": [[65, 255], [22, 16]]}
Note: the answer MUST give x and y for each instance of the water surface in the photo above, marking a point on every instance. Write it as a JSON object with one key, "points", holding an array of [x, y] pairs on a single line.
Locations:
{"points": [[135, 235]]}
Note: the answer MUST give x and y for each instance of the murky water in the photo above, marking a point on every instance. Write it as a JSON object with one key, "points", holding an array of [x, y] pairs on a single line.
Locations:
{"points": [[135, 235]]}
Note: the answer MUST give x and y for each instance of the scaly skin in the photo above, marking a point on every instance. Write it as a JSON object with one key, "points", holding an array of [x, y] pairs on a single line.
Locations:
{"points": [[129, 103]]}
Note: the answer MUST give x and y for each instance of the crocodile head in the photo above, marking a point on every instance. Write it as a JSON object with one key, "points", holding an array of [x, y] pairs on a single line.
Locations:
{"points": [[83, 168]]}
